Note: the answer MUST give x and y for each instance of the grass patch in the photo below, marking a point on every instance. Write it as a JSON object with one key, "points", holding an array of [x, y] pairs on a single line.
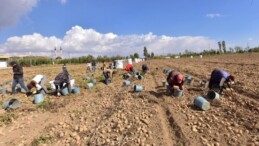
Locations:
{"points": [[42, 140], [45, 105], [7, 118]]}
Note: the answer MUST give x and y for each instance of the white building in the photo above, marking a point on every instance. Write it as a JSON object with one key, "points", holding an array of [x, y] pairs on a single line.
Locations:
{"points": [[3, 61]]}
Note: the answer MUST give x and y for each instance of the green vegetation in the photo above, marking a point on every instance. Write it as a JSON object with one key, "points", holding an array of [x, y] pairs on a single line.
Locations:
{"points": [[45, 105], [42, 140], [7, 118], [36, 60]]}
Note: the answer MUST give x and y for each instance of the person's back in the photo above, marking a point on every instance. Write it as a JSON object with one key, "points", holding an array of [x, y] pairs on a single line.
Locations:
{"points": [[218, 74], [93, 63], [175, 81], [18, 71], [37, 78], [171, 78], [62, 78], [145, 68]]}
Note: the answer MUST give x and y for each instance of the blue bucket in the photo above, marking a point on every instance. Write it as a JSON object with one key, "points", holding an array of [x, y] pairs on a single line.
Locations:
{"points": [[3, 91], [76, 90], [178, 93], [38, 98], [12, 104], [188, 77], [89, 85], [140, 77], [190, 81], [166, 70], [138, 88], [126, 76], [212, 95], [64, 91], [42, 92], [86, 77], [126, 83], [202, 103]]}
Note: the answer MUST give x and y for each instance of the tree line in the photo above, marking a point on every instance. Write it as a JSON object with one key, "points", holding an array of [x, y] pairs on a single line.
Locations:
{"points": [[38, 60]]}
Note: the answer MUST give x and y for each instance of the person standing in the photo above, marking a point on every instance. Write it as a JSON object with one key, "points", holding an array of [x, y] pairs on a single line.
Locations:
{"points": [[93, 66], [17, 77]]}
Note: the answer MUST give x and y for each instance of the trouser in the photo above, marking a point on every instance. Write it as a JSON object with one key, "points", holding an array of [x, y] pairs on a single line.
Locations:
{"points": [[42, 84], [106, 75], [107, 79], [61, 86], [93, 68], [170, 90], [18, 81]]}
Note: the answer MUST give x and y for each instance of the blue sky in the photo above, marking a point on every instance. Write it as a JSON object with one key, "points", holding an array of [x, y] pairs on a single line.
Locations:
{"points": [[120, 26]]}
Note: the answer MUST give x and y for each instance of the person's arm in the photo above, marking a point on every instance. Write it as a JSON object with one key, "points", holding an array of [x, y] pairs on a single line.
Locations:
{"points": [[222, 81], [111, 74]]}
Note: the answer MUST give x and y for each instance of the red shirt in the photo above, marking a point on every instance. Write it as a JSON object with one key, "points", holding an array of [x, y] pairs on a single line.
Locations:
{"points": [[172, 79], [128, 67]]}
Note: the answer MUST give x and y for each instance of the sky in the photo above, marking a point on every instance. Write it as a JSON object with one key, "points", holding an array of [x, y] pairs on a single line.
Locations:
{"points": [[124, 27]]}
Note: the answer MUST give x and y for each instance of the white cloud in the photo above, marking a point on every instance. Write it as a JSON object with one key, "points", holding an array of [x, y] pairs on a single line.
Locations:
{"points": [[63, 2], [12, 10], [214, 15], [79, 41]]}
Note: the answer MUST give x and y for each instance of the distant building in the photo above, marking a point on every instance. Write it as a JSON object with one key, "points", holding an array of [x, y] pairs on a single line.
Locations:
{"points": [[3, 61]]}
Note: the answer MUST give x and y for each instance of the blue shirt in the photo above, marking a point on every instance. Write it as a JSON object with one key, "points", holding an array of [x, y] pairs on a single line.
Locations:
{"points": [[218, 74]]}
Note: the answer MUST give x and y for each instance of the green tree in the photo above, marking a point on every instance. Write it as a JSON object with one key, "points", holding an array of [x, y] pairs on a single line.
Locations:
{"points": [[219, 43], [152, 54], [146, 54], [224, 46], [136, 55]]}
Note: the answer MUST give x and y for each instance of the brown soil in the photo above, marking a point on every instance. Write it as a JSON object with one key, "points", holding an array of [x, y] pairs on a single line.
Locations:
{"points": [[115, 115]]}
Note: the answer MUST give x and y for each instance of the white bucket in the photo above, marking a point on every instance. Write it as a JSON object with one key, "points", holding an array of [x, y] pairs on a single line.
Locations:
{"points": [[200, 56], [130, 61], [89, 64], [136, 60], [119, 64]]}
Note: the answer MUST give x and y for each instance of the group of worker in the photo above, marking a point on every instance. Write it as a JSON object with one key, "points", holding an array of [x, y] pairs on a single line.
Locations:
{"points": [[219, 79], [61, 81]]}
